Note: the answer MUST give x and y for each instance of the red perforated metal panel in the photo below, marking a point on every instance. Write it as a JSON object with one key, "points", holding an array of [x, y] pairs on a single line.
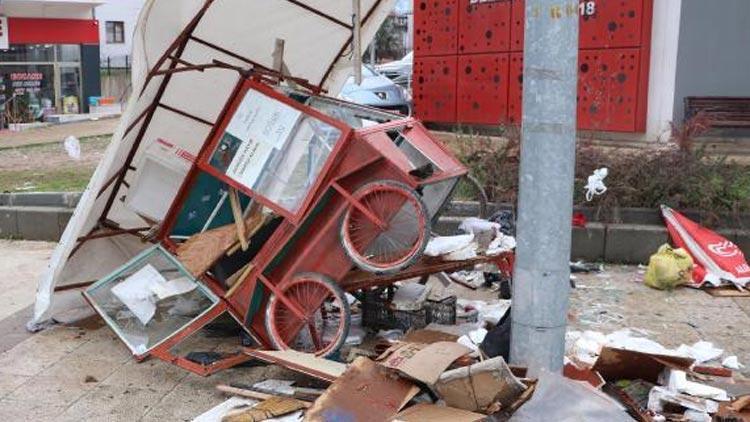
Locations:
{"points": [[482, 88], [435, 88], [608, 89], [484, 27], [435, 27], [516, 25], [515, 88], [606, 24]]}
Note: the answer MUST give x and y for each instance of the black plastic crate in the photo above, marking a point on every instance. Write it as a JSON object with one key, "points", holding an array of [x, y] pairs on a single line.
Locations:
{"points": [[442, 312], [377, 313]]}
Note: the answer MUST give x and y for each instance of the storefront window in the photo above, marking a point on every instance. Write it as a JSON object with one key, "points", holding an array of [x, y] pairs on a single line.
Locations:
{"points": [[29, 91], [28, 53], [70, 53]]}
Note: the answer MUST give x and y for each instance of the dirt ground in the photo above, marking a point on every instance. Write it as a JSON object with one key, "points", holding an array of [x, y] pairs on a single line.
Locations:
{"points": [[48, 167], [83, 372]]}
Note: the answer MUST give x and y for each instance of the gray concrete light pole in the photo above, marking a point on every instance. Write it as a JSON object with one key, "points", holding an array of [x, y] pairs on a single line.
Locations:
{"points": [[541, 280]]}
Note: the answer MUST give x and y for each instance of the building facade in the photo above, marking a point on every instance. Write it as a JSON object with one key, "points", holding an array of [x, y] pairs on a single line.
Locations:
{"points": [[117, 21], [638, 61], [49, 58]]}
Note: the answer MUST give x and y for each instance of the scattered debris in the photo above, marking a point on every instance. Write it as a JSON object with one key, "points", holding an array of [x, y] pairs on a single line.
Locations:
{"points": [[453, 248], [595, 184], [702, 351], [732, 362], [717, 260], [585, 267], [560, 399], [422, 362], [421, 412], [270, 408], [73, 147], [669, 268], [366, 391], [486, 387], [323, 369]]}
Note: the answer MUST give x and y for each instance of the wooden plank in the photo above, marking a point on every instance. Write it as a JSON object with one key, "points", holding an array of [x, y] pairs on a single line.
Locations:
{"points": [[358, 279]]}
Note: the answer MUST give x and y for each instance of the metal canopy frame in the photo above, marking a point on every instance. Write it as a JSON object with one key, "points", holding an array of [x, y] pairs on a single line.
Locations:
{"points": [[173, 54]]}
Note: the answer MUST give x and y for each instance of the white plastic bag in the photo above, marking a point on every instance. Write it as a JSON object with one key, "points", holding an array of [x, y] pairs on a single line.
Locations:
{"points": [[72, 147], [442, 245]]}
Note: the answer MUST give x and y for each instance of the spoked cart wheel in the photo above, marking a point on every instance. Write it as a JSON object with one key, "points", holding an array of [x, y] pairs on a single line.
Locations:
{"points": [[323, 325], [389, 229]]}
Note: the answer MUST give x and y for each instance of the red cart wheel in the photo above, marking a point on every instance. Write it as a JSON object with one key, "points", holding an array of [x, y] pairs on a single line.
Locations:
{"points": [[401, 237], [326, 314]]}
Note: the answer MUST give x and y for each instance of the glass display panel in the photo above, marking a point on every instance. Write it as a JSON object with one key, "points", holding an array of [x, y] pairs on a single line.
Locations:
{"points": [[274, 149], [149, 299]]}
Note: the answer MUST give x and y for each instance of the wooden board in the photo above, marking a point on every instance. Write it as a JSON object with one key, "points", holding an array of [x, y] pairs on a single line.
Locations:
{"points": [[726, 291]]}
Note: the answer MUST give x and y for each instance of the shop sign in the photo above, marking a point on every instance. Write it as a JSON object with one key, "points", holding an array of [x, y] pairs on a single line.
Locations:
{"points": [[23, 82]]}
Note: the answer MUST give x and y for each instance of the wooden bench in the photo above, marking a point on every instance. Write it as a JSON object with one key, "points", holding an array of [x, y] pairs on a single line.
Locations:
{"points": [[721, 112]]}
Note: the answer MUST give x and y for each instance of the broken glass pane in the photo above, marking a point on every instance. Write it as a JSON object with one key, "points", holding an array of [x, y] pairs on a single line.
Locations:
{"points": [[149, 299]]}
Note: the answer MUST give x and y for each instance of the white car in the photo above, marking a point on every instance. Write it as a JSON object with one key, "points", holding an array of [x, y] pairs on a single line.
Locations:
{"points": [[377, 91], [399, 71]]}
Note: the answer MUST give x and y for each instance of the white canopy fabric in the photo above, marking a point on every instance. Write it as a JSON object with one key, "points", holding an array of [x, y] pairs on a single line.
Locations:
{"points": [[317, 36]]}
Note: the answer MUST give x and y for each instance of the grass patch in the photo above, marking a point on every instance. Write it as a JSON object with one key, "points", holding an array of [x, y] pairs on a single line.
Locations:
{"points": [[68, 179]]}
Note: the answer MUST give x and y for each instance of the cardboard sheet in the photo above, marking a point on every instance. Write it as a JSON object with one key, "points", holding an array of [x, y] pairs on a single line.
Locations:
{"points": [[480, 387], [365, 392], [429, 412], [616, 364], [423, 362]]}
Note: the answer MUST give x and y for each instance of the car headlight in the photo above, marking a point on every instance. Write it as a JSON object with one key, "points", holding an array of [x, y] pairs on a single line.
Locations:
{"points": [[406, 94], [381, 94]]}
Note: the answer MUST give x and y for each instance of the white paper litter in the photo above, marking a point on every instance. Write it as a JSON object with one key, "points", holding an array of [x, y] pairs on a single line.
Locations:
{"points": [[702, 351], [676, 380], [136, 292], [174, 287], [471, 278], [275, 386], [473, 339], [659, 396], [586, 346], [72, 147], [476, 225], [467, 252], [442, 245], [216, 413], [595, 184], [488, 312], [696, 416], [502, 243], [732, 362], [410, 297], [143, 289]]}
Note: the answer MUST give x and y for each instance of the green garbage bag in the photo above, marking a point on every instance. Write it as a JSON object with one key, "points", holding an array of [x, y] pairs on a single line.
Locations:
{"points": [[669, 268]]}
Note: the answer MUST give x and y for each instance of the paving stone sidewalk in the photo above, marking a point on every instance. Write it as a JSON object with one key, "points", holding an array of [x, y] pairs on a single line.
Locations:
{"points": [[85, 373]]}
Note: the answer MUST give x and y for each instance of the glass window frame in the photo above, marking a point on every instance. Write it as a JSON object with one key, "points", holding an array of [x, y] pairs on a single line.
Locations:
{"points": [[204, 163], [141, 258], [115, 32]]}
